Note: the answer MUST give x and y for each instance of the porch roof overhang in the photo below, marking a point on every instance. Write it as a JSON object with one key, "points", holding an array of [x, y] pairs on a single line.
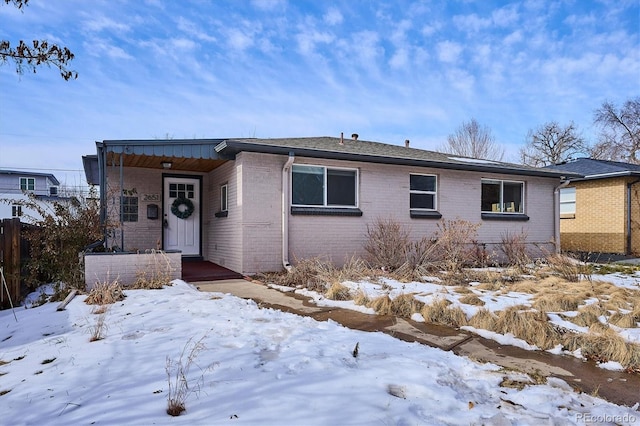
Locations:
{"points": [[195, 155]]}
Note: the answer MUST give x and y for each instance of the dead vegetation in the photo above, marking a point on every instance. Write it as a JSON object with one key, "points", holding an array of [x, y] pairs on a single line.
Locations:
{"points": [[105, 293]]}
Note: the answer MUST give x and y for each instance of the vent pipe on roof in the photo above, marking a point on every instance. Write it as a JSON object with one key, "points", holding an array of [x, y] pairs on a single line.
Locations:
{"points": [[406, 143], [341, 138], [354, 136]]}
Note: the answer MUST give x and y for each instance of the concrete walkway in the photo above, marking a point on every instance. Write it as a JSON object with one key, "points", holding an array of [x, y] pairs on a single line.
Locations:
{"points": [[617, 387]]}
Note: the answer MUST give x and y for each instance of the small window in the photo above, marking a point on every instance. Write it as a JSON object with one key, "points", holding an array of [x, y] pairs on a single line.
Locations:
{"points": [[16, 210], [53, 190], [501, 196], [27, 184], [129, 209], [422, 192], [568, 201], [323, 186], [224, 198], [181, 190]]}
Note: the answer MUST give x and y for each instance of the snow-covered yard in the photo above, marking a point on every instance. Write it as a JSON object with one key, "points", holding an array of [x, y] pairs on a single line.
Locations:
{"points": [[256, 366]]}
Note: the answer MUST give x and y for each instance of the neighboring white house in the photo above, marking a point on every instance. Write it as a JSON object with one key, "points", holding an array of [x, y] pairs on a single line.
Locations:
{"points": [[14, 187]]}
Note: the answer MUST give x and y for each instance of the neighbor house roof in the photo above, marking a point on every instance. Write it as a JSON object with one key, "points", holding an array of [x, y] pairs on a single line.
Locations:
{"points": [[23, 173], [597, 169], [376, 152]]}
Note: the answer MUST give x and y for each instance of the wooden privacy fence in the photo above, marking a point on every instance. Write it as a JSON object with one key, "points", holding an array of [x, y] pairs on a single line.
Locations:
{"points": [[10, 261]]}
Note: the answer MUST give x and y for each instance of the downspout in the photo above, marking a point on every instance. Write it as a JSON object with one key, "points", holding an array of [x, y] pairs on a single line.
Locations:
{"points": [[121, 200], [102, 161], [556, 213], [629, 185], [285, 212]]}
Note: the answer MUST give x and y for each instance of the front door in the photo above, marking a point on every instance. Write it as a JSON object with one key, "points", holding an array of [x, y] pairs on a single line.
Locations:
{"points": [[182, 215]]}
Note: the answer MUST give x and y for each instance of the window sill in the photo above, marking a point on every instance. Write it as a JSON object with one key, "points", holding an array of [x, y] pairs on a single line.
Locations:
{"points": [[505, 216], [326, 211], [422, 214], [567, 216], [222, 214]]}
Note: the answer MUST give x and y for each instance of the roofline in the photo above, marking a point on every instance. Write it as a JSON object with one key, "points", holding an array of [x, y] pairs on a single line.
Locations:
{"points": [[233, 147], [51, 177], [608, 175]]}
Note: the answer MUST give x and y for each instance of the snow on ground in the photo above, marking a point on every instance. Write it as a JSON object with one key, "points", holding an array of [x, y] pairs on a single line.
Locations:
{"points": [[260, 367]]}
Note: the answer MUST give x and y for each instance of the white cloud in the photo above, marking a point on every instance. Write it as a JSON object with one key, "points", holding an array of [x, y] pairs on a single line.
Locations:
{"points": [[430, 29], [192, 29], [102, 23], [308, 38], [448, 51], [506, 16], [238, 39], [268, 4], [103, 48], [471, 23], [399, 59], [333, 17], [513, 38]]}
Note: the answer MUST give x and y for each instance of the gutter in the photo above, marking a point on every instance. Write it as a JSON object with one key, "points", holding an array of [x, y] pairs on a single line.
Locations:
{"points": [[629, 185], [556, 213], [285, 213]]}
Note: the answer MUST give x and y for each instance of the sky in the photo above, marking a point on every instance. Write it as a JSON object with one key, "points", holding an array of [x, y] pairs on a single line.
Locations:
{"points": [[254, 366], [387, 70]]}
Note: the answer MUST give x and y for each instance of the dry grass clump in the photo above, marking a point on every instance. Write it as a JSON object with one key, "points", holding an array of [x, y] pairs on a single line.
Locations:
{"points": [[307, 273], [557, 302], [382, 305], [439, 312], [338, 291], [157, 273], [588, 315], [568, 268], [484, 319], [405, 305], [361, 298], [105, 293], [530, 326], [471, 299], [606, 346], [627, 320], [545, 285]]}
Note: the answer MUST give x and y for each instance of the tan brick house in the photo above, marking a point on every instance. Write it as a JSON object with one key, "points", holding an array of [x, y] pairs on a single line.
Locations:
{"points": [[255, 205], [600, 212]]}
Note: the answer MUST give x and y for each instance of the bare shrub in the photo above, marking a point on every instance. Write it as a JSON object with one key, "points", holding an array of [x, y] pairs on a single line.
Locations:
{"points": [[338, 291], [178, 376], [105, 293], [454, 239], [531, 326], [307, 273], [514, 247], [421, 259], [439, 312], [568, 268], [387, 243], [157, 274]]}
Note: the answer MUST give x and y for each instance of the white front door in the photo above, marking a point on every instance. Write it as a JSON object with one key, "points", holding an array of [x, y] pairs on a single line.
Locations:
{"points": [[182, 215]]}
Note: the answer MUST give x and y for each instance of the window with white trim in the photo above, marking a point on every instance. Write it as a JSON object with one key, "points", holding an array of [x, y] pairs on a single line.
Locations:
{"points": [[16, 210], [502, 196], [320, 186], [422, 192], [27, 184], [568, 201], [224, 198]]}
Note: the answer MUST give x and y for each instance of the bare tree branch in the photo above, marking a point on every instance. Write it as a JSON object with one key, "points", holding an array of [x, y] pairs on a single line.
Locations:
{"points": [[552, 144], [39, 52], [473, 140], [619, 138]]}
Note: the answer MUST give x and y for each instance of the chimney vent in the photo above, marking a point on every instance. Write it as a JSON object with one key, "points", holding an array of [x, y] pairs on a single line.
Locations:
{"points": [[341, 138], [354, 136], [406, 143]]}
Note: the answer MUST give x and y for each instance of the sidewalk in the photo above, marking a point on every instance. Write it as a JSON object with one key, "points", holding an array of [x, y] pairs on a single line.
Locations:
{"points": [[617, 387]]}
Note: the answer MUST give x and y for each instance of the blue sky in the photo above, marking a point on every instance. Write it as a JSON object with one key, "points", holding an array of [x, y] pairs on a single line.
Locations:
{"points": [[387, 70]]}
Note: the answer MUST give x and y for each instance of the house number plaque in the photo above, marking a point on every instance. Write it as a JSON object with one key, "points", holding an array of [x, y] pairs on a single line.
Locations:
{"points": [[151, 197]]}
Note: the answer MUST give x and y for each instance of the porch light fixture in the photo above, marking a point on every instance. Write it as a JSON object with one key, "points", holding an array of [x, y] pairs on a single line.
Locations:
{"points": [[166, 164]]}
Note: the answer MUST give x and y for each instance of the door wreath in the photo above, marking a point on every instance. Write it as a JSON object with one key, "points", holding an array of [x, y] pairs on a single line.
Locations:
{"points": [[182, 207]]}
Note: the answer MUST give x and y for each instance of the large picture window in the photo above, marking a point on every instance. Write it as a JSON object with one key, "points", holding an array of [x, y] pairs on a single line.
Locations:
{"points": [[567, 201], [324, 186], [502, 196], [27, 184], [422, 192]]}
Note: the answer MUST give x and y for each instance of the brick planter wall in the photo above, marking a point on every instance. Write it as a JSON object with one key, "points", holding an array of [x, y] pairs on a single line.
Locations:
{"points": [[125, 267]]}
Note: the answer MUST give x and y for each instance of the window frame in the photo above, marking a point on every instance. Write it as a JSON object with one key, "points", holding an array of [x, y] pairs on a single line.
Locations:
{"points": [[224, 197], [325, 187], [417, 191], [571, 214], [29, 184], [501, 201], [16, 210], [128, 216]]}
